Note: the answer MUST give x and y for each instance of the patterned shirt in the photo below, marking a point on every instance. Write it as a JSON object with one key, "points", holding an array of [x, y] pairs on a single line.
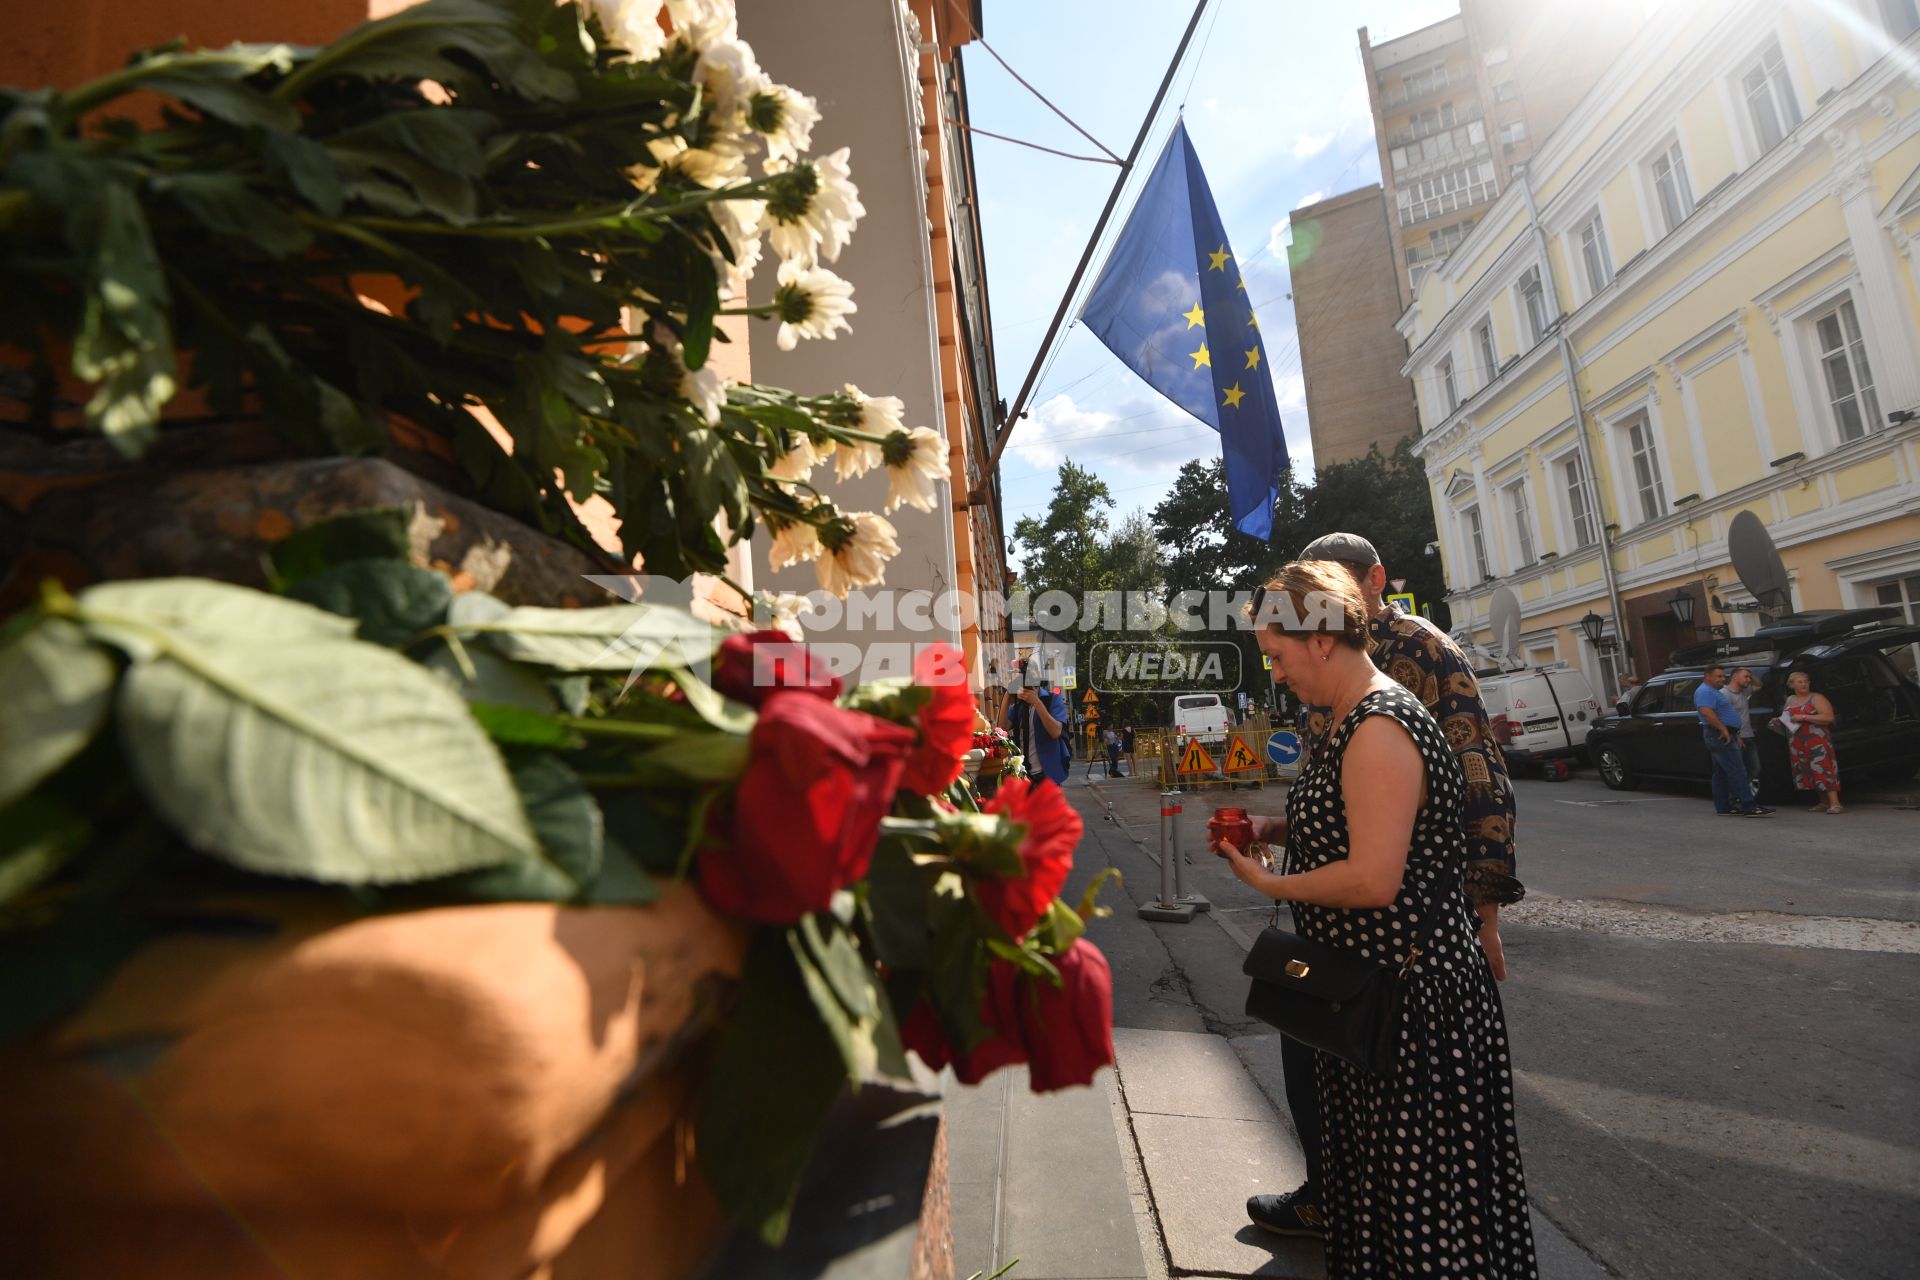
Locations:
{"points": [[1427, 662]]}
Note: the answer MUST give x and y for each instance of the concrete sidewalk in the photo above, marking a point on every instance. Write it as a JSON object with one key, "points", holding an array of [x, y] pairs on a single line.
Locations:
{"points": [[1146, 1175]]}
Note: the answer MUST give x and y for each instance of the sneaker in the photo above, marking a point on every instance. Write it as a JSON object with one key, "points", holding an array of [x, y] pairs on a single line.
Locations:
{"points": [[1729, 813], [1758, 811], [1288, 1215]]}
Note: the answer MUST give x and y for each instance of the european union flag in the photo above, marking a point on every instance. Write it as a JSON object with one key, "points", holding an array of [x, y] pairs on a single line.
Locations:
{"points": [[1171, 304]]}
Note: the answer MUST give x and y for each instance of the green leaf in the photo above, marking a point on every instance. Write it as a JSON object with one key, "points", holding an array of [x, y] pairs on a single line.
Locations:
{"points": [[704, 757], [38, 835], [133, 616], [898, 700], [620, 637], [58, 688], [392, 599], [482, 676], [378, 534], [225, 205], [835, 955], [306, 167], [572, 840], [125, 342], [214, 82], [986, 842], [1061, 926], [757, 1125], [623, 882], [409, 45], [323, 759], [703, 302], [720, 712], [433, 151], [517, 726], [1090, 908], [897, 894]]}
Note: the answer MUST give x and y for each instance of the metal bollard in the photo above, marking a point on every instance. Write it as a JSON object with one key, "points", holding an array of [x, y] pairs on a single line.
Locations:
{"points": [[1181, 898], [1168, 906]]}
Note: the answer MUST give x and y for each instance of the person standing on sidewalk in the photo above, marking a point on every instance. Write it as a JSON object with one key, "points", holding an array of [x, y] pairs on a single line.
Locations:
{"points": [[1036, 718], [1421, 1162], [1426, 662], [1739, 690], [1720, 722]]}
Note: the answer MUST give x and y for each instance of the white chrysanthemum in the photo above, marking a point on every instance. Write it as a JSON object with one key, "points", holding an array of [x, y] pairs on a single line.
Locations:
{"points": [[797, 464], [634, 25], [782, 612], [713, 18], [785, 118], [811, 302], [855, 551], [794, 543], [916, 464], [879, 416], [704, 388], [729, 78], [712, 168], [816, 217], [739, 222]]}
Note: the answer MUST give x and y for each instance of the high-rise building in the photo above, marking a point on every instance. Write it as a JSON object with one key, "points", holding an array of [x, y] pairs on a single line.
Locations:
{"points": [[1345, 304]]}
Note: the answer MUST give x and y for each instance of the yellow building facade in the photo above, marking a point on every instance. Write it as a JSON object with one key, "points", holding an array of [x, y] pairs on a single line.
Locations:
{"points": [[1701, 296]]}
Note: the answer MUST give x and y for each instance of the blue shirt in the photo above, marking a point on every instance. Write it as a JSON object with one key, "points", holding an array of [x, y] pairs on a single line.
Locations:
{"points": [[1706, 696], [1044, 750]]}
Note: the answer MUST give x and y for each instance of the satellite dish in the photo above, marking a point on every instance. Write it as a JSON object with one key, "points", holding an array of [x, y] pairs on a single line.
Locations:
{"points": [[1503, 615], [1757, 561]]}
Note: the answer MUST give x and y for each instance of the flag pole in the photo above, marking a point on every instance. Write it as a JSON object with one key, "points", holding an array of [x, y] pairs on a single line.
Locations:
{"points": [[1086, 256]]}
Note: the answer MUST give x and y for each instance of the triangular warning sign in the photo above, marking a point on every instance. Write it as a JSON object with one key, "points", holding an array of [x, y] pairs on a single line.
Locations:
{"points": [[1197, 760], [1090, 699], [1240, 756]]}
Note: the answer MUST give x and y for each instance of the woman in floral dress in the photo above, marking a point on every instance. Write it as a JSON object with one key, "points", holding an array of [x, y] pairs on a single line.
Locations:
{"points": [[1421, 1165], [1815, 766]]}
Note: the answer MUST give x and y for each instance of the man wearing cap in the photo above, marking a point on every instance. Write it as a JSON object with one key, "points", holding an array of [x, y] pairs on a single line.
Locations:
{"points": [[1427, 662]]}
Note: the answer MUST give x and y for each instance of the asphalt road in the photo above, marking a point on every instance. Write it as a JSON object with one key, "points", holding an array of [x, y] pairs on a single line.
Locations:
{"points": [[1714, 1024]]}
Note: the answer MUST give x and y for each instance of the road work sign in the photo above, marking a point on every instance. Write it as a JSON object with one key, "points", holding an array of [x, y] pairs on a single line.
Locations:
{"points": [[1196, 760]]}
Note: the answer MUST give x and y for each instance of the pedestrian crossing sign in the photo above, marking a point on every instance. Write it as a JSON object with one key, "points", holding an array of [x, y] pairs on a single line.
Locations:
{"points": [[1240, 756], [1196, 760]]}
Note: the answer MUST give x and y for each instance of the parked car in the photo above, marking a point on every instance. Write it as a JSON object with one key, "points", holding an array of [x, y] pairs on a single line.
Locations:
{"points": [[1540, 713], [1202, 716], [1655, 733]]}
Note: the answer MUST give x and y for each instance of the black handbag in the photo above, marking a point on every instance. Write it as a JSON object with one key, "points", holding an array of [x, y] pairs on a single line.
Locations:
{"points": [[1334, 998]]}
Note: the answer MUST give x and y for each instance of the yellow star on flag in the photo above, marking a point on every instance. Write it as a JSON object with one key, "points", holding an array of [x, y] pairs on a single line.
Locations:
{"points": [[1219, 257], [1240, 284], [1253, 320], [1253, 358], [1234, 396], [1195, 316], [1202, 357]]}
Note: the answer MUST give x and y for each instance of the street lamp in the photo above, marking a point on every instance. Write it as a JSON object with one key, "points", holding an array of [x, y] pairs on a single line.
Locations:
{"points": [[1682, 606], [1591, 627]]}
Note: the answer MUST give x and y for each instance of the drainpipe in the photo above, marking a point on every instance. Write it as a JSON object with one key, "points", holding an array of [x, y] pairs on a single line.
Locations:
{"points": [[1572, 369]]}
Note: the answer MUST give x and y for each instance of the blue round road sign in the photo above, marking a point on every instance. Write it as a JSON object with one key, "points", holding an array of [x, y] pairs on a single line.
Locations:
{"points": [[1283, 748]]}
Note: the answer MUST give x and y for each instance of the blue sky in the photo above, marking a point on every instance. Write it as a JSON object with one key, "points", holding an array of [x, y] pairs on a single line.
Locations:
{"points": [[1277, 107]]}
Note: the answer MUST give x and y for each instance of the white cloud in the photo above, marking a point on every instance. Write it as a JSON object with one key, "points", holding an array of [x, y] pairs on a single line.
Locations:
{"points": [[1312, 197], [1309, 145], [1279, 238], [1137, 438]]}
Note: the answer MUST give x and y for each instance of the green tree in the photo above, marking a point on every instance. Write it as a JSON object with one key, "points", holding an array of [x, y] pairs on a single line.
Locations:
{"points": [[1384, 499]]}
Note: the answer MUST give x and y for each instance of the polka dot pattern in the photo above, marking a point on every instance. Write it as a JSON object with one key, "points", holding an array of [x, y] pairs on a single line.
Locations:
{"points": [[1421, 1167]]}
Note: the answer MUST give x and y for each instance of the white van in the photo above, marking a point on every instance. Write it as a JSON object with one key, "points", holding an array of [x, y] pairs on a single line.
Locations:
{"points": [[1539, 713], [1202, 716]]}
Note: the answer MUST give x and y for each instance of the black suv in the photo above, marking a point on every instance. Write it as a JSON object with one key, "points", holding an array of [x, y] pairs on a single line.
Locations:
{"points": [[1655, 731]]}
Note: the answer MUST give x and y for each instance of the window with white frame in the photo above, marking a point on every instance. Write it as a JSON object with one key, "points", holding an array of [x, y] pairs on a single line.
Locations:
{"points": [[1772, 107], [1904, 595], [1671, 190], [1449, 389], [1533, 300], [1902, 17], [1506, 91], [1644, 455], [1849, 379], [1476, 543], [1522, 521], [1484, 348], [1513, 131], [1579, 506], [1591, 240]]}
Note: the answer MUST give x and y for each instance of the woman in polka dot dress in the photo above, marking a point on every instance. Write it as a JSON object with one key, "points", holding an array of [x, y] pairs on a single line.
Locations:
{"points": [[1422, 1166]]}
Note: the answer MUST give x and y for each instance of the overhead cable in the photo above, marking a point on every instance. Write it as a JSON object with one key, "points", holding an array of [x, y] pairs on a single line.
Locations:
{"points": [[1057, 111]]}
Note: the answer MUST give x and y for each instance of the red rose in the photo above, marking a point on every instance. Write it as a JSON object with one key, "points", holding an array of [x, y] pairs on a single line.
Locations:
{"points": [[751, 665], [1064, 1034], [807, 812], [946, 722], [1069, 1028], [1053, 829]]}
